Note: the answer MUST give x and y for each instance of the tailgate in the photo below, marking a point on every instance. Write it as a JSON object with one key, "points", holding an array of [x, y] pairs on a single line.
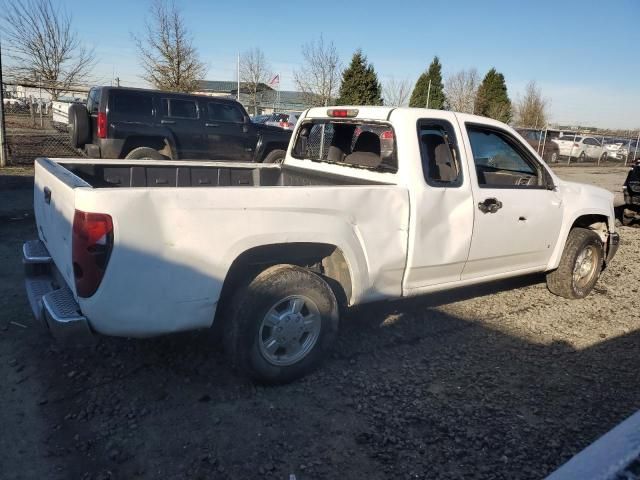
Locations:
{"points": [[54, 206]]}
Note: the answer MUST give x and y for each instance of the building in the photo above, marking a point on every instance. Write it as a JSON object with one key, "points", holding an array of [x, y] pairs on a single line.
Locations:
{"points": [[269, 99]]}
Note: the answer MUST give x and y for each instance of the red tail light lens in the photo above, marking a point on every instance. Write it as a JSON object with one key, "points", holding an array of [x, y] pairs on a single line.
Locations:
{"points": [[92, 242], [342, 112], [102, 125], [386, 135]]}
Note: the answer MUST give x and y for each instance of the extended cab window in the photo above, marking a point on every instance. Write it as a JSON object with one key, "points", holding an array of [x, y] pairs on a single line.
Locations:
{"points": [[131, 103], [358, 144], [500, 161], [178, 108], [439, 154], [224, 112]]}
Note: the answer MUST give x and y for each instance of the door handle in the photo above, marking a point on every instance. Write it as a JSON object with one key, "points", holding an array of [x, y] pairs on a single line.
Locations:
{"points": [[167, 122], [490, 205], [47, 195], [211, 125]]}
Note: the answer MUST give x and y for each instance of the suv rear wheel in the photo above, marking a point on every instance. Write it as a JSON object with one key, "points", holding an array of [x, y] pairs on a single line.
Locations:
{"points": [[144, 153]]}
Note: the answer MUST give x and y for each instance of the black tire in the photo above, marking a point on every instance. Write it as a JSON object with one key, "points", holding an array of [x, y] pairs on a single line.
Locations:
{"points": [[554, 157], [144, 153], [275, 156], [244, 330], [78, 125], [582, 157], [562, 281]]}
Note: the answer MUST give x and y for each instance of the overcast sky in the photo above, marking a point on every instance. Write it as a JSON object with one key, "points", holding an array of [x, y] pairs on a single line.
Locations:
{"points": [[585, 55]]}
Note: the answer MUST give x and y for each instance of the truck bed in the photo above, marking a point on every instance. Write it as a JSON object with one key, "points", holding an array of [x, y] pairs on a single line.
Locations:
{"points": [[193, 174]]}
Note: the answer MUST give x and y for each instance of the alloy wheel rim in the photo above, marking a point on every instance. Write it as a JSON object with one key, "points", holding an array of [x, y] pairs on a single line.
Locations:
{"points": [[585, 267], [289, 330]]}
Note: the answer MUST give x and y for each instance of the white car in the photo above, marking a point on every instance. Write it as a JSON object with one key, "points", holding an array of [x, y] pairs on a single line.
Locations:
{"points": [[274, 252], [581, 147], [286, 120], [623, 150]]}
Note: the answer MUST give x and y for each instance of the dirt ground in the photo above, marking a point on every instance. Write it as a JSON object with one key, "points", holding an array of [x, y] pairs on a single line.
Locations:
{"points": [[498, 382]]}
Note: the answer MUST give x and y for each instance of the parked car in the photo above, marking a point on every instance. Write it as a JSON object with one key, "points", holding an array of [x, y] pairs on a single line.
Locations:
{"points": [[271, 254], [60, 110], [283, 120], [541, 143], [624, 150], [581, 147], [260, 118], [149, 124]]}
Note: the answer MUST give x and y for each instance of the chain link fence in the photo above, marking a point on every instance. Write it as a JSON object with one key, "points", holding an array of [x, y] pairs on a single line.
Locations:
{"points": [[34, 124], [584, 146]]}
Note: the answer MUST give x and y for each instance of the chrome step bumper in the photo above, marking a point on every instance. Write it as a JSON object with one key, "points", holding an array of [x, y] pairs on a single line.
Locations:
{"points": [[50, 299]]}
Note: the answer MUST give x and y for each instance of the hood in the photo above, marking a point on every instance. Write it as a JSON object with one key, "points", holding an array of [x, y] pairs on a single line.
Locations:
{"points": [[587, 193]]}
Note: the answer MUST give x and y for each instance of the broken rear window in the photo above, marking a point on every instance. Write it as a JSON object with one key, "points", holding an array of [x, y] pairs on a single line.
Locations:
{"points": [[357, 144]]}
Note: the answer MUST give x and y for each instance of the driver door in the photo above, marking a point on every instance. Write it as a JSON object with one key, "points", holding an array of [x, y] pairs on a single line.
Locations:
{"points": [[517, 213]]}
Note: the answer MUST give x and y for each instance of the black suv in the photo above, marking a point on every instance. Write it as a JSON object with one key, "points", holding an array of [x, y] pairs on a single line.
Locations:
{"points": [[134, 123]]}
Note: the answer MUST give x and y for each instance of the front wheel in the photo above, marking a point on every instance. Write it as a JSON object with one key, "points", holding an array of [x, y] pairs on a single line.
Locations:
{"points": [[580, 265], [282, 324], [275, 156]]}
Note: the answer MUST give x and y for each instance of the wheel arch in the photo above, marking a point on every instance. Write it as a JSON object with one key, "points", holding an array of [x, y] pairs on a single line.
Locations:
{"points": [[596, 221], [161, 143], [326, 259]]}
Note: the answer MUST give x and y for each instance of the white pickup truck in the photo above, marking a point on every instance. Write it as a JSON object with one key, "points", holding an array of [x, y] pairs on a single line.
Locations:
{"points": [[371, 203]]}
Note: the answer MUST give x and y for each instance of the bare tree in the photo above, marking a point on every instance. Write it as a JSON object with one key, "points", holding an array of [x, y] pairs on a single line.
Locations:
{"points": [[319, 76], [531, 109], [396, 92], [42, 46], [254, 73], [460, 89], [169, 59]]}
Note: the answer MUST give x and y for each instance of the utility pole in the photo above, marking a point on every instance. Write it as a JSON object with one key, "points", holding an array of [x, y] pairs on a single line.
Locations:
{"points": [[3, 146]]}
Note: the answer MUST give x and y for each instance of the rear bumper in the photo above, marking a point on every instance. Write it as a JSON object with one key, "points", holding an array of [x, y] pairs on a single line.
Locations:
{"points": [[51, 300]]}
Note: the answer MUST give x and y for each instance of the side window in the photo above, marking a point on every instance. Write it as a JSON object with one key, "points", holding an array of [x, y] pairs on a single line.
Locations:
{"points": [[183, 108], [130, 103], [440, 158], [499, 160], [224, 112], [93, 101]]}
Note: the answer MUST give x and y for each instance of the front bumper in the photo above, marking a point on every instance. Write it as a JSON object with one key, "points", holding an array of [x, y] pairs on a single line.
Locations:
{"points": [[612, 245], [51, 300]]}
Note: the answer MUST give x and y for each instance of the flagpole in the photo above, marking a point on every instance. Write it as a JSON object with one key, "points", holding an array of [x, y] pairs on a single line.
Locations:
{"points": [[238, 95]]}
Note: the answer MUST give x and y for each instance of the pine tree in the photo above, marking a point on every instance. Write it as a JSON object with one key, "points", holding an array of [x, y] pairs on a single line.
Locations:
{"points": [[492, 99], [360, 85], [435, 94]]}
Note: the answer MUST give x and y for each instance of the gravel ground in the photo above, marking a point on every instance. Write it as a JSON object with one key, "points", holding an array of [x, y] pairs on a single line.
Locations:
{"points": [[500, 381]]}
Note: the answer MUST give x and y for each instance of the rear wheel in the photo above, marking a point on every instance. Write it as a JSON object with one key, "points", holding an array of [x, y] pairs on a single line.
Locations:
{"points": [[580, 265], [582, 157], [282, 324], [554, 157], [275, 156], [144, 153]]}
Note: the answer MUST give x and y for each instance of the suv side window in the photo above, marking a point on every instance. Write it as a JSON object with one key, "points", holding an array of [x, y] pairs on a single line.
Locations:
{"points": [[440, 157], [179, 108], [131, 103], [93, 101], [224, 112], [500, 161]]}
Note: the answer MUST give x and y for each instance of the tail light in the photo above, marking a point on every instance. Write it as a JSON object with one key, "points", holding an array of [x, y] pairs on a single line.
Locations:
{"points": [[342, 112], [102, 125], [576, 144], [92, 242], [386, 135]]}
